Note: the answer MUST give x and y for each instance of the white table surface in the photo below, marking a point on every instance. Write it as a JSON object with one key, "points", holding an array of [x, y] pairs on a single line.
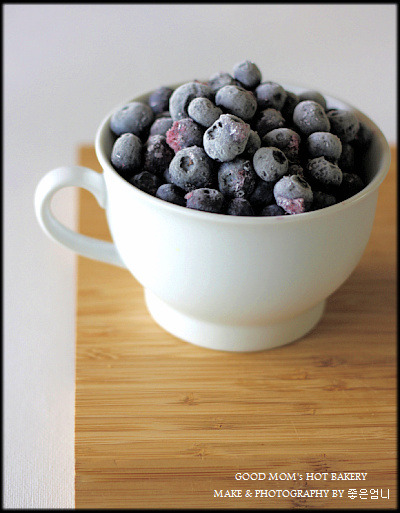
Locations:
{"points": [[65, 67]]}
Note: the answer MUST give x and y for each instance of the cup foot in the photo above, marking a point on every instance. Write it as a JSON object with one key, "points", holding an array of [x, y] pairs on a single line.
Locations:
{"points": [[225, 337]]}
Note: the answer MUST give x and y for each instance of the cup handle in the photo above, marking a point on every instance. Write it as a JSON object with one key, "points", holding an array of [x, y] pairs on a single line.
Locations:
{"points": [[90, 180]]}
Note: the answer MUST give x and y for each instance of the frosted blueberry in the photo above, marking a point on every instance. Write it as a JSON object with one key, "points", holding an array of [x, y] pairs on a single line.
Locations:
{"points": [[206, 199], [134, 118], [161, 126], [159, 99], [247, 73], [324, 173], [286, 140], [219, 80], [293, 194], [309, 117], [203, 111], [184, 133], [237, 101], [183, 95], [171, 193], [344, 124], [269, 120], [324, 144], [237, 178], [191, 168], [226, 138], [157, 155], [270, 163], [147, 182], [270, 95], [126, 155]]}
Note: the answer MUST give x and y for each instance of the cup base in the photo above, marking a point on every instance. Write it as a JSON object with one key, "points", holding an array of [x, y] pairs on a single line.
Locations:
{"points": [[225, 337]]}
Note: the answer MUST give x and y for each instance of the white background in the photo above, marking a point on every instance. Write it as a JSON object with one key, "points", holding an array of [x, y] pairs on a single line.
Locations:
{"points": [[65, 68]]}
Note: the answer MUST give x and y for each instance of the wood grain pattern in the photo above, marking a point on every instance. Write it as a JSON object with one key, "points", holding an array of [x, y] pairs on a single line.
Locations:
{"points": [[161, 423]]}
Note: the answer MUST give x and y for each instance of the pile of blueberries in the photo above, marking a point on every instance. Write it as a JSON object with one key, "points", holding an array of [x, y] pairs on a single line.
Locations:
{"points": [[236, 145]]}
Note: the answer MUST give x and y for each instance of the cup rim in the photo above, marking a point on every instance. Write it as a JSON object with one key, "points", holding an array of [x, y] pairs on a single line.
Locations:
{"points": [[103, 131]]}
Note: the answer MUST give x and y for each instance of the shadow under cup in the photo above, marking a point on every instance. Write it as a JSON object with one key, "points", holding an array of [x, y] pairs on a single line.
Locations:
{"points": [[239, 283]]}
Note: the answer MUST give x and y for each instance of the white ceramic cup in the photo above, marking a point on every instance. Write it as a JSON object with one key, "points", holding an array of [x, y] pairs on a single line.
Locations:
{"points": [[223, 282]]}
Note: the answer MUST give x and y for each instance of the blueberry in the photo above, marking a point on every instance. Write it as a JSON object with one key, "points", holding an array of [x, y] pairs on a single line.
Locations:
{"points": [[237, 101], [157, 155], [171, 193], [191, 168], [126, 155], [237, 178], [272, 210], [147, 182], [161, 126], [351, 185], [269, 120], [322, 200], [239, 207], [262, 195], [270, 163], [293, 194], [324, 144], [324, 173], [253, 143], [206, 199], [226, 138], [270, 95], [344, 124], [203, 111], [184, 133], [290, 103], [247, 73], [134, 118], [309, 117], [363, 137], [219, 80], [347, 158], [159, 99], [183, 95], [286, 140], [314, 96]]}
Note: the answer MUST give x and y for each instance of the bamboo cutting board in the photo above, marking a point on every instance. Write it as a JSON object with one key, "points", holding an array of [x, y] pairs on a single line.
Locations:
{"points": [[161, 423]]}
